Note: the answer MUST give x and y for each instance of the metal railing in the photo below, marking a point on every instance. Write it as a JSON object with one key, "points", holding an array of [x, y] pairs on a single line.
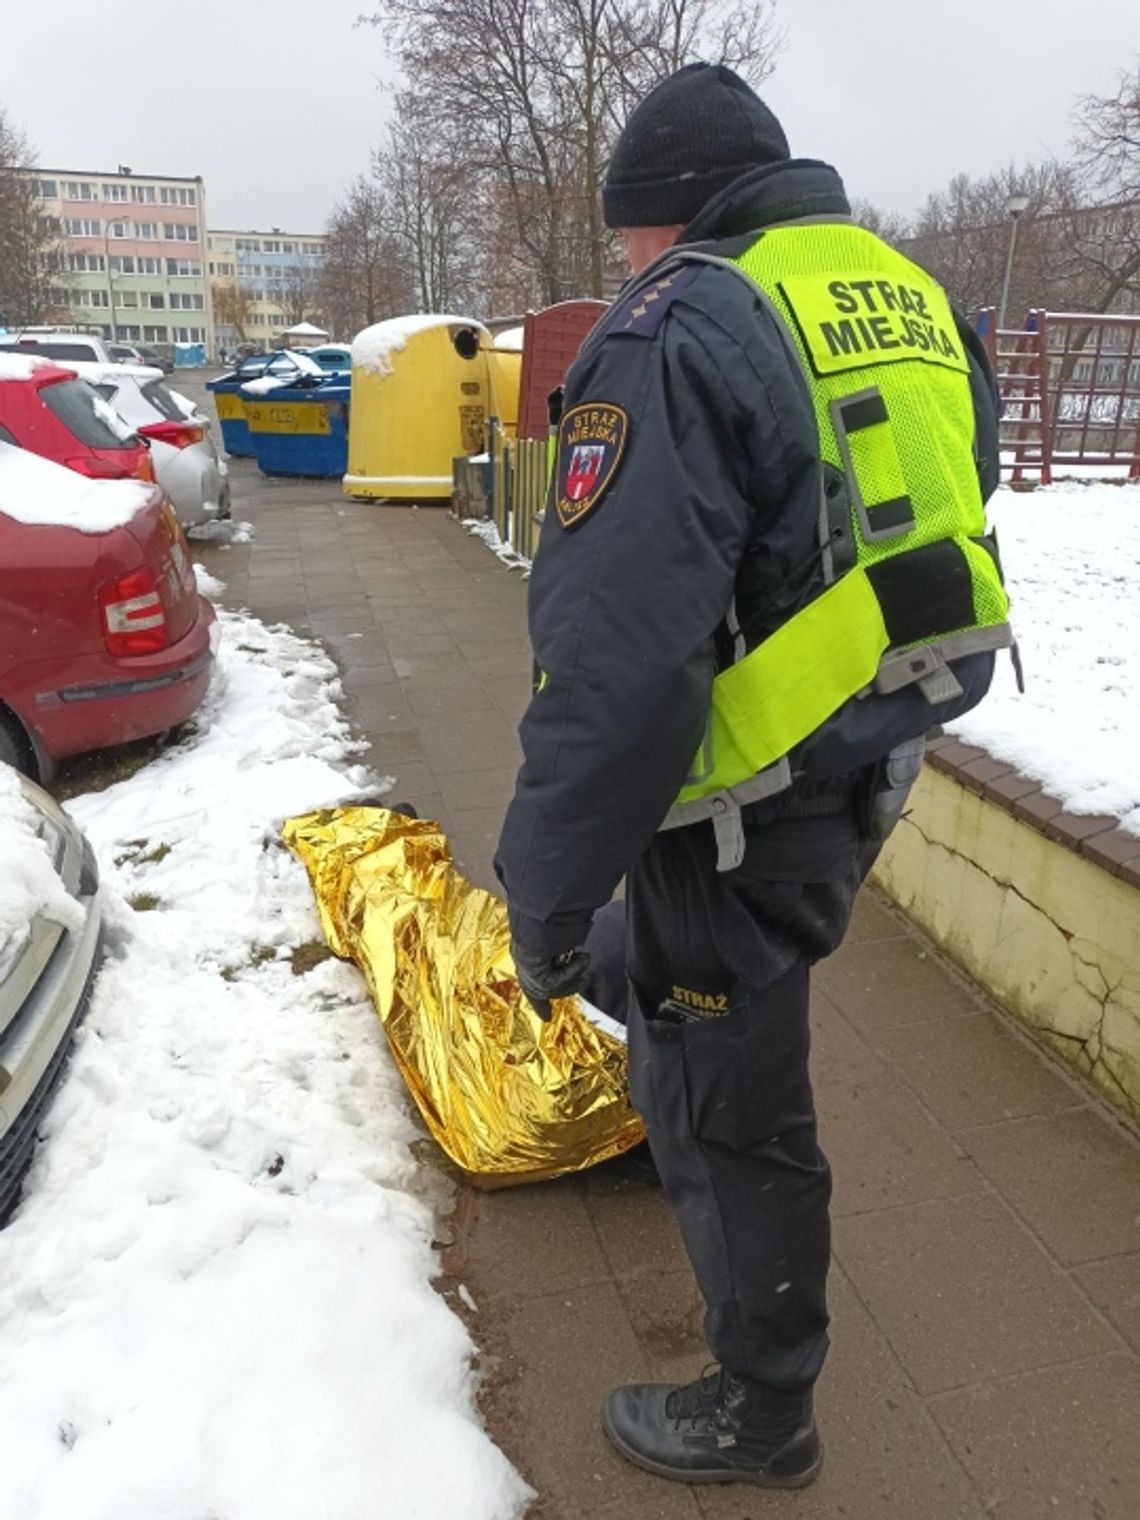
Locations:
{"points": [[1070, 390]]}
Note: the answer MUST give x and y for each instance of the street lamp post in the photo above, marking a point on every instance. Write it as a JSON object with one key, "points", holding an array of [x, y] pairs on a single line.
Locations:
{"points": [[1015, 206]]}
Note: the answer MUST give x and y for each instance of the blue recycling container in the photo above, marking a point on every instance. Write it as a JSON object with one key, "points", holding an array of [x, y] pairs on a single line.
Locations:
{"points": [[231, 416], [299, 429]]}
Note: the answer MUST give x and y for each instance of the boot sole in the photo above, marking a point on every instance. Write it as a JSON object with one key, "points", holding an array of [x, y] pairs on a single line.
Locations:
{"points": [[755, 1477]]}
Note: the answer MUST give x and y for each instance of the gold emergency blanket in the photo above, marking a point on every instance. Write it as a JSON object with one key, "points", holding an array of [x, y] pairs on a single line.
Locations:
{"points": [[509, 1098]]}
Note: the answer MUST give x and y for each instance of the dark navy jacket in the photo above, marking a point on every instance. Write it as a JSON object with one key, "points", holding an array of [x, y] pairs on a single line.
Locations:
{"points": [[715, 497]]}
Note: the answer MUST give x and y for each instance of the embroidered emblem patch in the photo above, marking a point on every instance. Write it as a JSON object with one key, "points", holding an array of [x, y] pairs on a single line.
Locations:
{"points": [[591, 440]]}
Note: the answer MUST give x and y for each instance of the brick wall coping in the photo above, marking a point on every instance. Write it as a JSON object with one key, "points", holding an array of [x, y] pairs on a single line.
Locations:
{"points": [[1097, 837]]}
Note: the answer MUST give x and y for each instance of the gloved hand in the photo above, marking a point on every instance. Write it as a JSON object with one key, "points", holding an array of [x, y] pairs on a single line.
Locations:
{"points": [[543, 977]]}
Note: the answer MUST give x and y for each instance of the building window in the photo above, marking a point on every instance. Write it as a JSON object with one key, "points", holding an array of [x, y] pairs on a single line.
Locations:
{"points": [[247, 245], [78, 190], [86, 263], [189, 334], [154, 334], [132, 334], [143, 195], [118, 229], [146, 230], [154, 300], [313, 250], [84, 227], [177, 195], [191, 268], [149, 266], [127, 298], [286, 247], [186, 301], [122, 263], [92, 298], [47, 189], [58, 296], [180, 232], [51, 226], [114, 192]]}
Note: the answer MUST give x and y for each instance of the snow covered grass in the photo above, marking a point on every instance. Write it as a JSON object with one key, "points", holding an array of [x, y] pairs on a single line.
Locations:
{"points": [[215, 1300], [1071, 554]]}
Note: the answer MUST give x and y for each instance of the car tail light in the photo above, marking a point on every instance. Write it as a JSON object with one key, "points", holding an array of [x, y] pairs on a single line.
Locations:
{"points": [[98, 469], [144, 468], [133, 619], [180, 435]]}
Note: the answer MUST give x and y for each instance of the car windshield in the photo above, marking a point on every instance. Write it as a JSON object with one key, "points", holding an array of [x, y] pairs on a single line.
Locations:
{"points": [[84, 413]]}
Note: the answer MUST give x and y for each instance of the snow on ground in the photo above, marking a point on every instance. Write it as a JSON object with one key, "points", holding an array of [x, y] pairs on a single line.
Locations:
{"points": [[1071, 554], [224, 531], [215, 1300], [487, 531]]}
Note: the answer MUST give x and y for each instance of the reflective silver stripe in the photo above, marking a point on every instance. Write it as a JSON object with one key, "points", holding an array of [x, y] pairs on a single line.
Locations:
{"points": [[927, 664], [723, 810], [732, 623]]}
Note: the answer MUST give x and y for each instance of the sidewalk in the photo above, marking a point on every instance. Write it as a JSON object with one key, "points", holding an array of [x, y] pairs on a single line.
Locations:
{"points": [[986, 1284]]}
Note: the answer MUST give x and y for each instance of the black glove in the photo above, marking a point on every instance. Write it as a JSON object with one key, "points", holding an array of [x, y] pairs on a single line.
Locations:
{"points": [[543, 977]]}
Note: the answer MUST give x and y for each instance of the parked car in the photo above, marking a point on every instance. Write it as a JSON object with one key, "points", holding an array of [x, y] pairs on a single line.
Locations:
{"points": [[131, 353], [50, 949], [48, 409], [334, 357], [186, 461], [60, 346], [104, 638]]}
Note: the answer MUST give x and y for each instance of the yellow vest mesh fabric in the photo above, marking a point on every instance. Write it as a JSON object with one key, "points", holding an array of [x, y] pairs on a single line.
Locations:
{"points": [[896, 334]]}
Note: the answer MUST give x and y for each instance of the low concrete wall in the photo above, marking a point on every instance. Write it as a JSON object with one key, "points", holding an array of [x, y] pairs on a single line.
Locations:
{"points": [[1054, 937]]}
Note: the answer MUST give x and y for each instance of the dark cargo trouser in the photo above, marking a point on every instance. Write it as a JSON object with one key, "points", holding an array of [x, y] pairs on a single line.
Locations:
{"points": [[718, 1056]]}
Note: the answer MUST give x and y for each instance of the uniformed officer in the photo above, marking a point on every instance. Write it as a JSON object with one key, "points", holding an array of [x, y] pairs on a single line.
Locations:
{"points": [[764, 574]]}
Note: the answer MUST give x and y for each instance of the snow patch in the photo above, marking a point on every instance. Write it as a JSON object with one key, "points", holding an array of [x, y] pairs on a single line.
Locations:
{"points": [[36, 491], [1071, 555], [217, 1292], [487, 531], [24, 366], [224, 531]]}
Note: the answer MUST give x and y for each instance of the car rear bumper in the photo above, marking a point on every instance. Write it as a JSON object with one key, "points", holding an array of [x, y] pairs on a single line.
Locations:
{"points": [[108, 701]]}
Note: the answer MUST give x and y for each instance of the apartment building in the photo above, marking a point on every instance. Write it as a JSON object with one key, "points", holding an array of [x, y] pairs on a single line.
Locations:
{"points": [[263, 283], [131, 253]]}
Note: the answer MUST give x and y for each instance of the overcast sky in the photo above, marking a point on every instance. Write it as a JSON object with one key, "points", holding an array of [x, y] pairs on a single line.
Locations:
{"points": [[276, 103]]}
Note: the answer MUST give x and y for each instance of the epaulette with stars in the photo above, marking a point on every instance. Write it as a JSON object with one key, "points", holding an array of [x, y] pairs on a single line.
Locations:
{"points": [[645, 308]]}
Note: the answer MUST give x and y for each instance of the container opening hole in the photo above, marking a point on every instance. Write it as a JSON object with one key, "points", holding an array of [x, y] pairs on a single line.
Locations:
{"points": [[466, 342]]}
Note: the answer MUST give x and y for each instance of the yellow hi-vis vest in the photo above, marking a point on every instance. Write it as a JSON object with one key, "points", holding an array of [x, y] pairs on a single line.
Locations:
{"points": [[909, 583]]}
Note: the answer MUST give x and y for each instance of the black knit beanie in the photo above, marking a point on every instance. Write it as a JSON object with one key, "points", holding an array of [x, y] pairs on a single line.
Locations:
{"points": [[691, 136]]}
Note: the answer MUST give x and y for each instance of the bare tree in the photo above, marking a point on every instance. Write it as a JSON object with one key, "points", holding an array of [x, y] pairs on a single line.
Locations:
{"points": [[297, 291], [232, 303], [364, 277], [889, 225], [1107, 244], [527, 96], [30, 262]]}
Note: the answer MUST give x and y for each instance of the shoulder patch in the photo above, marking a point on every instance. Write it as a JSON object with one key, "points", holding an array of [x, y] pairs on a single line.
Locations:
{"points": [[644, 311], [591, 441]]}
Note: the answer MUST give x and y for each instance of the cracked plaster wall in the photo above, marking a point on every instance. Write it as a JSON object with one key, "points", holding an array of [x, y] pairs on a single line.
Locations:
{"points": [[1054, 938]]}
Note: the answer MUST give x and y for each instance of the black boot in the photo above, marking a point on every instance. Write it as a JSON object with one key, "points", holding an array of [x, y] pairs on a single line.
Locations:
{"points": [[720, 1429]]}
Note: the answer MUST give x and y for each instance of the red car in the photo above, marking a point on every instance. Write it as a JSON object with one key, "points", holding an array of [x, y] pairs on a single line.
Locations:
{"points": [[46, 408], [103, 635]]}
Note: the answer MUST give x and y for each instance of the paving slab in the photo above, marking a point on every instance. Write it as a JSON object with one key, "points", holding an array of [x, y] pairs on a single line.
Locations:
{"points": [[986, 1292]]}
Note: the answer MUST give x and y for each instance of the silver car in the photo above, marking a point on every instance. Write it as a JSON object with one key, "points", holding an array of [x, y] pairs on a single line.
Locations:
{"points": [[186, 460], [46, 966]]}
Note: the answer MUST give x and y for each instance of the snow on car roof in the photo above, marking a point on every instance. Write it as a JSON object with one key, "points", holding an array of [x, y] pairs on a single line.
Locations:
{"points": [[23, 366], [372, 348], [30, 886], [43, 494]]}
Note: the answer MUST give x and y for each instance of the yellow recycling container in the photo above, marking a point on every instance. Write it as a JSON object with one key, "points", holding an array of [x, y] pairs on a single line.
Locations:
{"points": [[421, 396], [505, 359]]}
